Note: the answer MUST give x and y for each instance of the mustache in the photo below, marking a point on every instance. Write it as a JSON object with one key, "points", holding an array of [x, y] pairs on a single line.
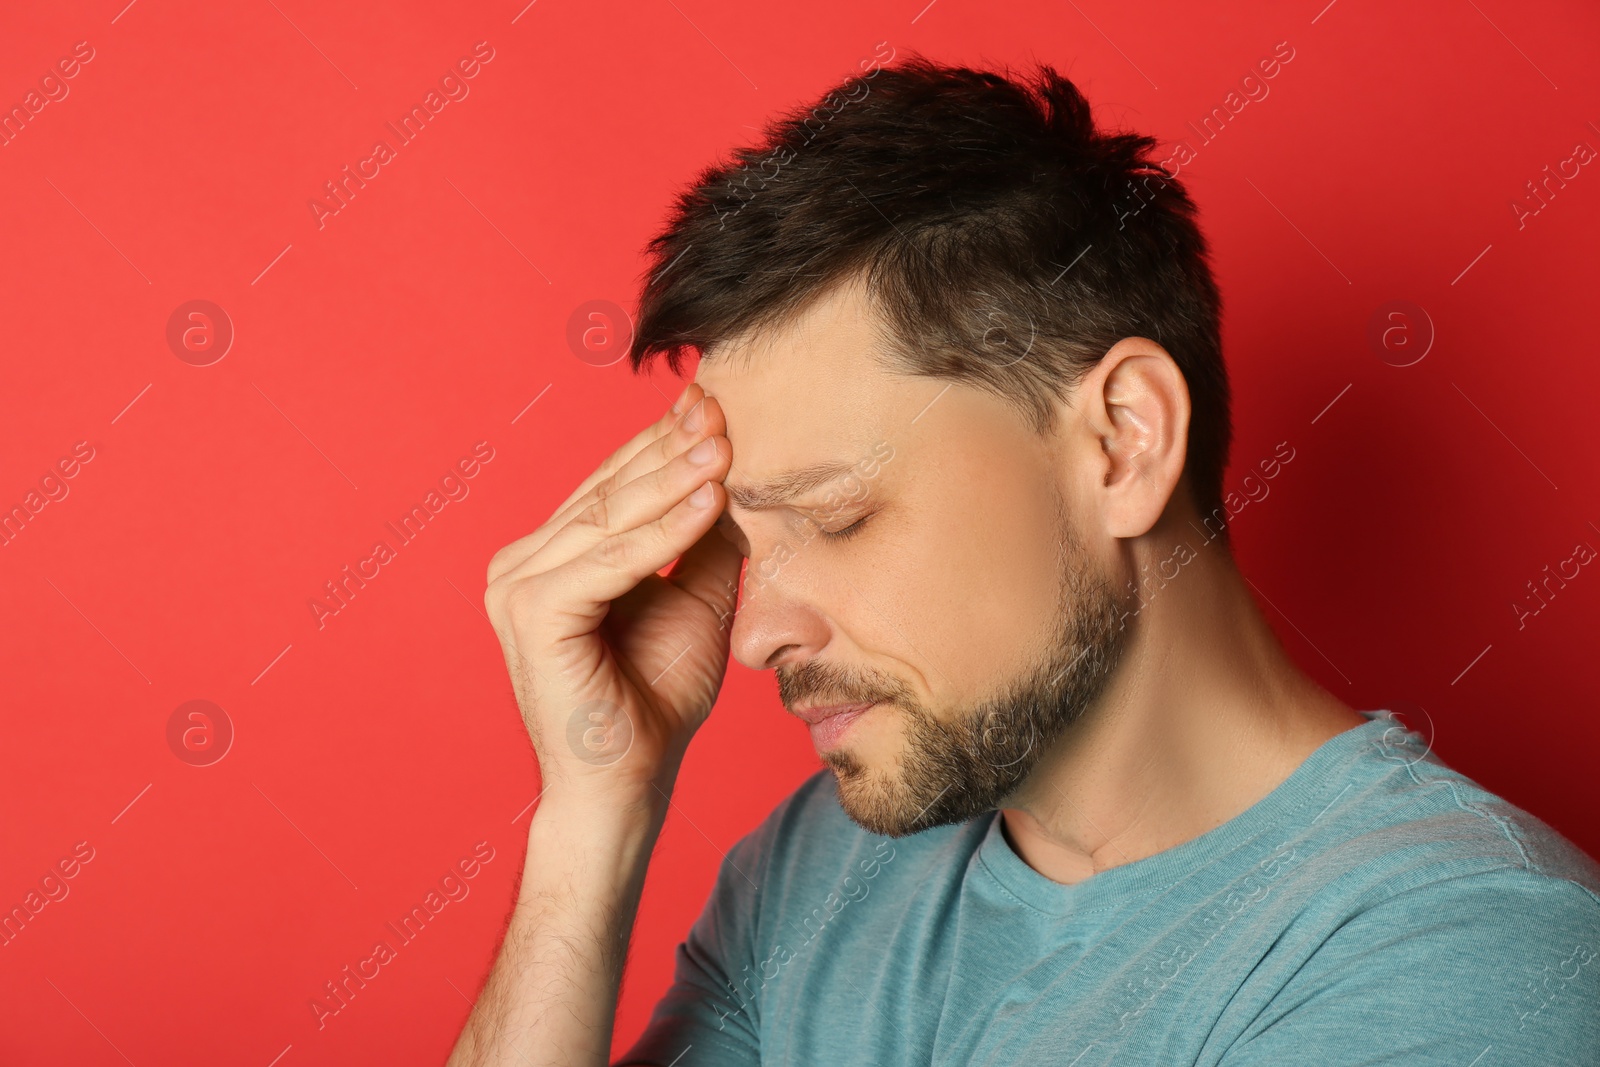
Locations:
{"points": [[817, 683]]}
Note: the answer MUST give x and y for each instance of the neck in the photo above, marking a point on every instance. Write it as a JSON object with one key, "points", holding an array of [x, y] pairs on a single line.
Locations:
{"points": [[1204, 715]]}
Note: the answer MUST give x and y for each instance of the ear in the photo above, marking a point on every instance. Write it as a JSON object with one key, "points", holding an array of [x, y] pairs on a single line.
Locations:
{"points": [[1135, 408]]}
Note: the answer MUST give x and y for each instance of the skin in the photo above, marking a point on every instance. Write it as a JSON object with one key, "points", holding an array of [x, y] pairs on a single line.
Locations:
{"points": [[1203, 714], [986, 600]]}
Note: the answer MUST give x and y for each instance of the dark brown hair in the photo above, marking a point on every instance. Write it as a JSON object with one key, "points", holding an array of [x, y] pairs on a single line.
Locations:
{"points": [[1005, 240]]}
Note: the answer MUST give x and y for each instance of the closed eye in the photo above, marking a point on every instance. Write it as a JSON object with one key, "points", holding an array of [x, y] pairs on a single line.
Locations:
{"points": [[848, 532]]}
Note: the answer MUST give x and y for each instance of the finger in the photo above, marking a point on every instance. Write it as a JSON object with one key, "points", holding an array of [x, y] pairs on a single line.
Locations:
{"points": [[518, 551], [720, 593], [662, 427], [643, 500], [704, 418], [585, 586], [651, 458]]}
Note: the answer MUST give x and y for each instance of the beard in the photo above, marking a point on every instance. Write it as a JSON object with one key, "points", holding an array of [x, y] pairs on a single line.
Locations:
{"points": [[954, 768]]}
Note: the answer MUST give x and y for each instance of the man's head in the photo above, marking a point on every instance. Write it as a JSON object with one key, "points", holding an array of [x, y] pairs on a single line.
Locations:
{"points": [[996, 327]]}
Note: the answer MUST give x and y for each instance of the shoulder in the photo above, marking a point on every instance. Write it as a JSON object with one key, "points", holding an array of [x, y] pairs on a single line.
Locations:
{"points": [[1467, 875], [1439, 919], [1441, 974], [1405, 819]]}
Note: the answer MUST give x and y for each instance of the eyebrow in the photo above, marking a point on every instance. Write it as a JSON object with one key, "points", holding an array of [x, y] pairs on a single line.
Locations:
{"points": [[784, 487]]}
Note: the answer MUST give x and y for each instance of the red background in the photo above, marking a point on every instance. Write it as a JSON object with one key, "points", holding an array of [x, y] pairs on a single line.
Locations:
{"points": [[373, 352]]}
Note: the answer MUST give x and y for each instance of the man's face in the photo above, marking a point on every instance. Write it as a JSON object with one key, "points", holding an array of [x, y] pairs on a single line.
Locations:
{"points": [[967, 602]]}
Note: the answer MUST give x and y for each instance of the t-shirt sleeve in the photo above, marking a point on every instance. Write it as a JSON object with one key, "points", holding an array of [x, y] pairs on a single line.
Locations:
{"points": [[1500, 969], [706, 1018]]}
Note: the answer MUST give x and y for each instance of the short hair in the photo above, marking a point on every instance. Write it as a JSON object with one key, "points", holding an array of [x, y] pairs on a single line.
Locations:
{"points": [[1005, 241]]}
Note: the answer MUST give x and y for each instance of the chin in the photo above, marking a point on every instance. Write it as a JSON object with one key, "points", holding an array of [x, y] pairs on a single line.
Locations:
{"points": [[873, 799]]}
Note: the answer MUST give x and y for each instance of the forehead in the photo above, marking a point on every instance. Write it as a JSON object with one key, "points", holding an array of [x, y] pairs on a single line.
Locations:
{"points": [[812, 392]]}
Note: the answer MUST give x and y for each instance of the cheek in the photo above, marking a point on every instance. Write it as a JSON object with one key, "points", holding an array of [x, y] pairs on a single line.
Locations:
{"points": [[993, 588], [960, 602]]}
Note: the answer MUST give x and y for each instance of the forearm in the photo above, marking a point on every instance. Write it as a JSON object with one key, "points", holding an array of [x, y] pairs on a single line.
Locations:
{"points": [[551, 995]]}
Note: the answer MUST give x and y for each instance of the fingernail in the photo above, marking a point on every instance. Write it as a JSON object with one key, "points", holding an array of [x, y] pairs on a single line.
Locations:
{"points": [[703, 496], [703, 453], [677, 405]]}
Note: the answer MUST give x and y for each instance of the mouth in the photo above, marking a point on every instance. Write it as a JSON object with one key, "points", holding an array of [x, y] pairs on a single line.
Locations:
{"points": [[828, 724]]}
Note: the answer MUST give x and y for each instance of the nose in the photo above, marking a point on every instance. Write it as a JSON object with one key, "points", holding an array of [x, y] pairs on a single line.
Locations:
{"points": [[774, 626]]}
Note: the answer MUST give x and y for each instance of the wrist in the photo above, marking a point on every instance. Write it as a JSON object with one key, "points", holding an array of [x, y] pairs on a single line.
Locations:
{"points": [[596, 836], [612, 792], [597, 810]]}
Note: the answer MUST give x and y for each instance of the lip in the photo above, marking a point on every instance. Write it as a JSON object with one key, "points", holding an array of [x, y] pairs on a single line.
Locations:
{"points": [[817, 713], [828, 724]]}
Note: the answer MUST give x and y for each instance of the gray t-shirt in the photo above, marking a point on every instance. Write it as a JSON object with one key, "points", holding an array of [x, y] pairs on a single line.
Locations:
{"points": [[1377, 907]]}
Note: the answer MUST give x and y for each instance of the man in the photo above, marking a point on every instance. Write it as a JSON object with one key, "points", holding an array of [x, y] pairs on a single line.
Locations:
{"points": [[961, 405]]}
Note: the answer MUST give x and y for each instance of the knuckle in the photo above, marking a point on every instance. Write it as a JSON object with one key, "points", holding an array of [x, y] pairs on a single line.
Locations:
{"points": [[500, 562], [597, 514], [671, 471], [496, 593], [522, 600], [614, 551], [608, 486]]}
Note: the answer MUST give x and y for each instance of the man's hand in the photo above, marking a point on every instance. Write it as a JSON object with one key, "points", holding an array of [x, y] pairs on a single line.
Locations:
{"points": [[614, 668]]}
